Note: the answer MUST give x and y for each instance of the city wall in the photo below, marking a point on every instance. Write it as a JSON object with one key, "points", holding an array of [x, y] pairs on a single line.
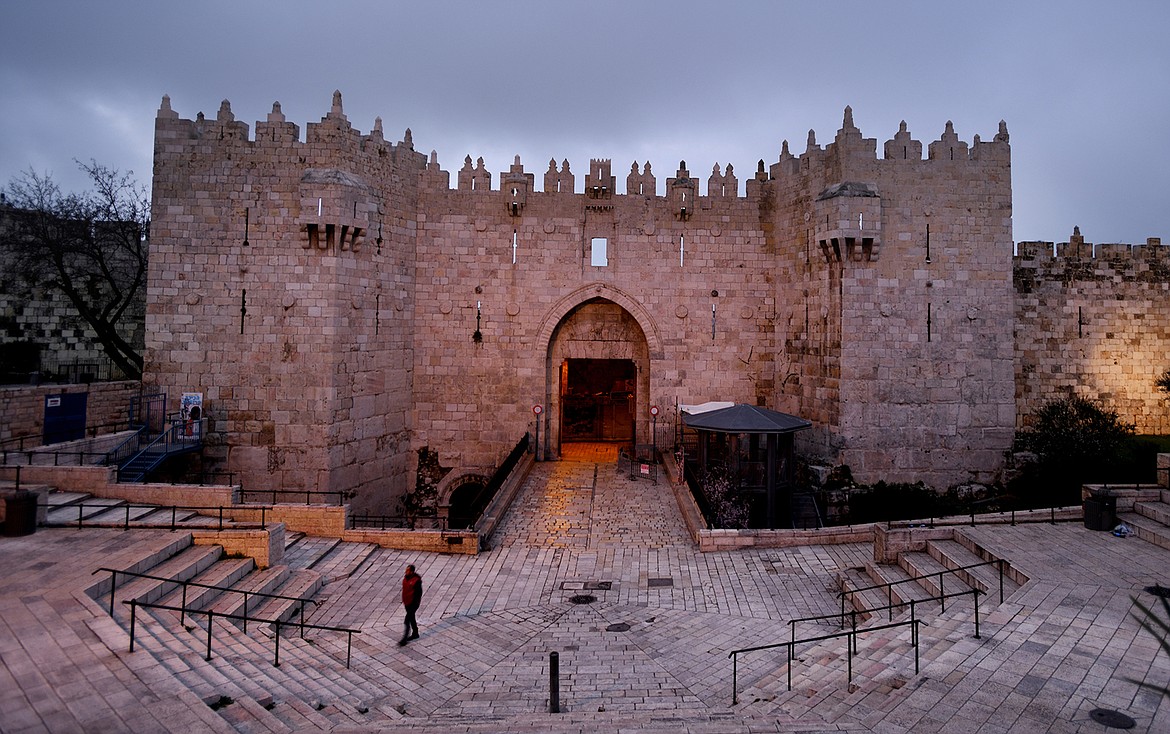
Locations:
{"points": [[344, 302], [1093, 321]]}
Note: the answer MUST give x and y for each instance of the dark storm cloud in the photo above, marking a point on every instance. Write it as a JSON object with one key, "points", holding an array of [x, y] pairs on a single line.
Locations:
{"points": [[1083, 90]]}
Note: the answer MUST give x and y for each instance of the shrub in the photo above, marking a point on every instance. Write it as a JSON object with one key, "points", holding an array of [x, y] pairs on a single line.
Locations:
{"points": [[1076, 441]]}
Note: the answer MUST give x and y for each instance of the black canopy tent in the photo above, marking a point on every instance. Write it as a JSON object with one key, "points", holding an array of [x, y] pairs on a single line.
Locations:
{"points": [[754, 445]]}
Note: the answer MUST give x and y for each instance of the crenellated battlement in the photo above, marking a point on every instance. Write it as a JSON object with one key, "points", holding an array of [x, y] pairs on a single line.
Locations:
{"points": [[335, 135], [1077, 249]]}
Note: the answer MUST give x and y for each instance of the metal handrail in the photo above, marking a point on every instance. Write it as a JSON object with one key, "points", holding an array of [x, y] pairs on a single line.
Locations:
{"points": [[306, 493], [122, 451], [851, 635], [889, 586], [114, 588], [211, 615], [386, 522], [174, 524], [30, 454]]}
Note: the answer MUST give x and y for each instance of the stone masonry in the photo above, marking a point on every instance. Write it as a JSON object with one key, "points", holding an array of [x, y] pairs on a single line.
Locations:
{"points": [[342, 305]]}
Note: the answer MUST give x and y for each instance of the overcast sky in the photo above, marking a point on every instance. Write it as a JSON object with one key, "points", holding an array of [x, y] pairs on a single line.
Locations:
{"points": [[1084, 86]]}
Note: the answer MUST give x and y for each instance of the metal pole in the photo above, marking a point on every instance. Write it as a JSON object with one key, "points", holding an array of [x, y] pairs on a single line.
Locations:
{"points": [[975, 598], [276, 660], [1000, 564], [734, 666], [133, 610], [210, 624], [113, 590], [790, 652], [183, 607], [554, 681]]}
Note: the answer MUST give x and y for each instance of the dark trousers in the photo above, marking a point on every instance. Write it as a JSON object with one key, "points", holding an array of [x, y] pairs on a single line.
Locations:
{"points": [[410, 626]]}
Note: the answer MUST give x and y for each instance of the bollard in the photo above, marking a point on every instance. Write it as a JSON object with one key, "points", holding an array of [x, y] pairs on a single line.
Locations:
{"points": [[554, 683]]}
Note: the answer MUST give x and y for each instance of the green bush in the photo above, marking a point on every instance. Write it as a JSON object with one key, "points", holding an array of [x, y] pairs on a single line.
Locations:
{"points": [[1076, 441]]}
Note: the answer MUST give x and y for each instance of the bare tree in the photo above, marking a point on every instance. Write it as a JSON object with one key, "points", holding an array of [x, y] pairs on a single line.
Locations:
{"points": [[91, 247]]}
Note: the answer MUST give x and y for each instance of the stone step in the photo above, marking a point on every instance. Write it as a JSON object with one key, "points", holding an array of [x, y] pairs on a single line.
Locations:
{"points": [[927, 567], [291, 538], [305, 672], [265, 581], [250, 717], [1146, 528], [90, 507], [60, 499], [307, 551], [1159, 512], [223, 573], [184, 566], [849, 581], [302, 585], [301, 715], [344, 560], [955, 555]]}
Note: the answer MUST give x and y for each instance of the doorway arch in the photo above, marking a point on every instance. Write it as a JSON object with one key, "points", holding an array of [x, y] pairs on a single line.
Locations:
{"points": [[597, 374]]}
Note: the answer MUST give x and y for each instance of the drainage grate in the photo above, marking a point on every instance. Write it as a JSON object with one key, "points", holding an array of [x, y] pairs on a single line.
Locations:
{"points": [[582, 599], [1112, 719], [618, 627], [1159, 590], [660, 582], [598, 585]]}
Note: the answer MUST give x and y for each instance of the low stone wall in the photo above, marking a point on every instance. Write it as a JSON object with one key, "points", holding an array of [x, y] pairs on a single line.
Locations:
{"points": [[22, 408], [265, 547], [460, 542], [494, 513], [322, 521], [181, 495], [66, 478], [722, 540]]}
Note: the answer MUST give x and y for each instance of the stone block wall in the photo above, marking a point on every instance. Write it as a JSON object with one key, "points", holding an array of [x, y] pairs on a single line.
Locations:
{"points": [[895, 335], [342, 307], [22, 408], [281, 287], [1093, 321]]}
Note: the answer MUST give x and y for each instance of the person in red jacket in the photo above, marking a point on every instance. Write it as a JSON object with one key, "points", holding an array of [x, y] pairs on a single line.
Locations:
{"points": [[411, 598]]}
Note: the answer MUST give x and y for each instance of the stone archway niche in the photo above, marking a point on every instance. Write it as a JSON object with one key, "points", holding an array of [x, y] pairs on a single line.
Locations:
{"points": [[596, 329]]}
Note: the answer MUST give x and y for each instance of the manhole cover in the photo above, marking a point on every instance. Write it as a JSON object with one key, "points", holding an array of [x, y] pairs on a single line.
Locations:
{"points": [[582, 598], [1159, 590], [1112, 719], [661, 582], [618, 627]]}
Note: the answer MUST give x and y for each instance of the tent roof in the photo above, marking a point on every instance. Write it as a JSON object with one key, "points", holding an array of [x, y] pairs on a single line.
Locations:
{"points": [[746, 419]]}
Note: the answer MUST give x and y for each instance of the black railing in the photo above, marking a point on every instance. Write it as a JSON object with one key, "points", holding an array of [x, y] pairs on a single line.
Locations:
{"points": [[44, 457], [127, 448], [484, 496], [278, 495], [90, 432], [211, 615], [394, 522], [216, 511], [182, 436], [889, 586], [185, 584], [851, 636]]}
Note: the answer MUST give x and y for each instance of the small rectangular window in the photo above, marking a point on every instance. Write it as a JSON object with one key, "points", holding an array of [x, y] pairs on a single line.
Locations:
{"points": [[597, 255]]}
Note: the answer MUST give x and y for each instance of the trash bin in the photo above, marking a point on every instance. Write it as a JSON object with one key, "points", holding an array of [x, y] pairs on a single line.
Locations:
{"points": [[20, 514], [1100, 511]]}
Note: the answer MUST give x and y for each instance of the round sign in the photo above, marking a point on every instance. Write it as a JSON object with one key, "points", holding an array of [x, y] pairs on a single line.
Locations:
{"points": [[538, 409], [653, 410]]}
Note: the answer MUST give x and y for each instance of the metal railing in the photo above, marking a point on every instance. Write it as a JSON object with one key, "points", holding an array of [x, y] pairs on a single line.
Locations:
{"points": [[308, 494], [181, 436], [90, 432], [44, 457], [851, 637], [394, 522], [211, 616], [174, 524], [942, 595], [185, 584]]}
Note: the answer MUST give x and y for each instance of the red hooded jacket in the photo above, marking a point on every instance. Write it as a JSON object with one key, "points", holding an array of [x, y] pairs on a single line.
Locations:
{"points": [[411, 590]]}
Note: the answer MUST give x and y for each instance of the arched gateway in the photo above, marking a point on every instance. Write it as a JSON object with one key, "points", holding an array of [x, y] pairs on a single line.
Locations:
{"points": [[597, 370]]}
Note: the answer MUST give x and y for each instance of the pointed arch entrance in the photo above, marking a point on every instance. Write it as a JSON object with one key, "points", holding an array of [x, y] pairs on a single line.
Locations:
{"points": [[597, 376]]}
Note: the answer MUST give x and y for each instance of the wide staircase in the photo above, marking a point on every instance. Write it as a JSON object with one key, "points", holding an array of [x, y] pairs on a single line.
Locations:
{"points": [[938, 587], [176, 588]]}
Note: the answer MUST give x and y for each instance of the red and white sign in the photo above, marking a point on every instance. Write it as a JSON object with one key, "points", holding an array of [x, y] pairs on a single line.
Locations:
{"points": [[538, 409], [653, 410]]}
